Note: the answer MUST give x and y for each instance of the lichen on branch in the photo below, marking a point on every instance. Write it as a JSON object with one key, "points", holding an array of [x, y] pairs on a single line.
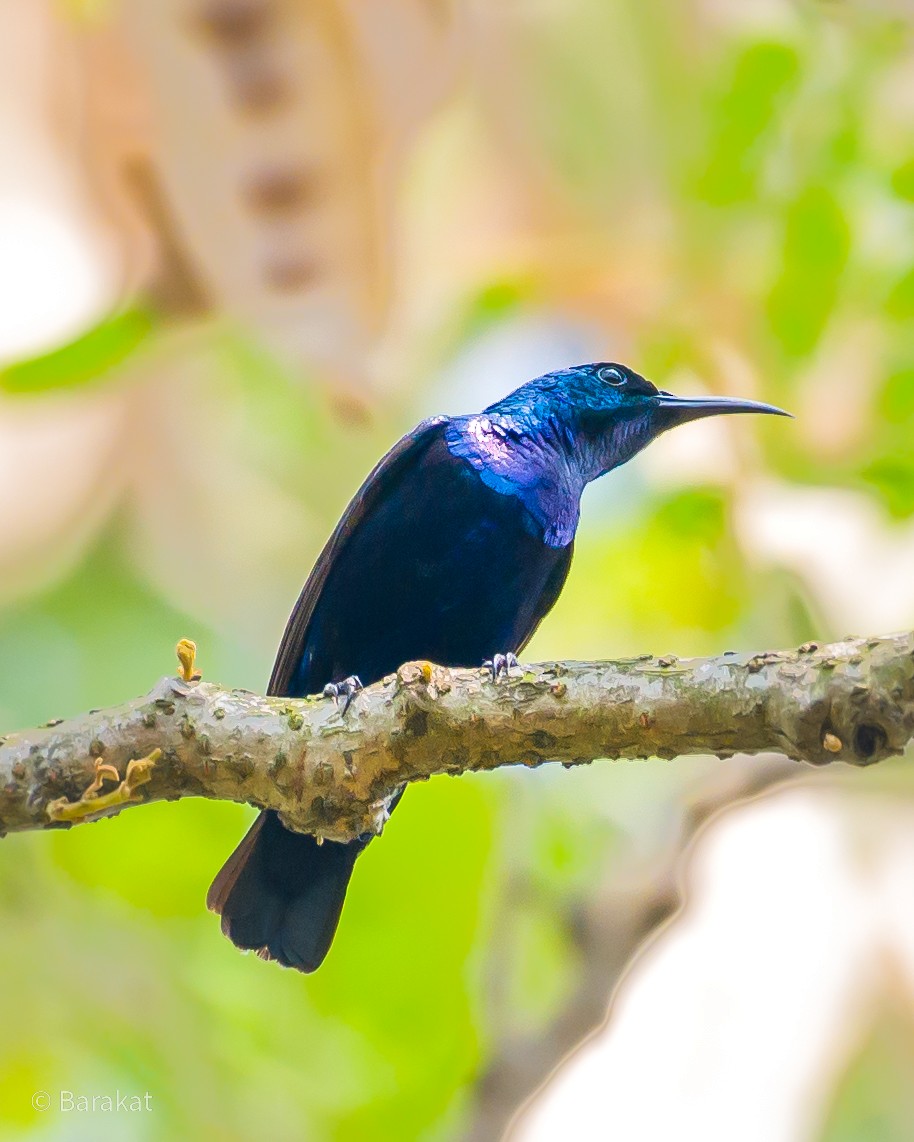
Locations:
{"points": [[330, 773]]}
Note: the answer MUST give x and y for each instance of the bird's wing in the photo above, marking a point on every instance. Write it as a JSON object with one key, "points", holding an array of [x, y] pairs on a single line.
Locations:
{"points": [[391, 468]]}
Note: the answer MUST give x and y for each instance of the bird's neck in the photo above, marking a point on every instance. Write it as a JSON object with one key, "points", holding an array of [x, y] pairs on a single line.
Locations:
{"points": [[544, 465]]}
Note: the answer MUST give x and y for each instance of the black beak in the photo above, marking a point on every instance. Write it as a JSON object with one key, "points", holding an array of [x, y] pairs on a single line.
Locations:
{"points": [[683, 409]]}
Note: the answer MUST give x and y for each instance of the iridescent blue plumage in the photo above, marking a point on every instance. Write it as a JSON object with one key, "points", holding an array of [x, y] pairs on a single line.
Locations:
{"points": [[454, 549], [548, 439]]}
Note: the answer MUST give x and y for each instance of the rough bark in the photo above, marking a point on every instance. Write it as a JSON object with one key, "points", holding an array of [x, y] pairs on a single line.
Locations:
{"points": [[330, 772]]}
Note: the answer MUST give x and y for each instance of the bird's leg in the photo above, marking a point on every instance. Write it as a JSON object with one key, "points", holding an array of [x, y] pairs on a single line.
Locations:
{"points": [[501, 664], [345, 690]]}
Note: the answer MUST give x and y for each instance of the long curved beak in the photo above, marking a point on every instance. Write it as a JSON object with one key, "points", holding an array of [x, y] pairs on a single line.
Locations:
{"points": [[684, 409]]}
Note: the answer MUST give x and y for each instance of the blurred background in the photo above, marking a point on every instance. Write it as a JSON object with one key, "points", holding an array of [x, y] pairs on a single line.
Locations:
{"points": [[244, 245]]}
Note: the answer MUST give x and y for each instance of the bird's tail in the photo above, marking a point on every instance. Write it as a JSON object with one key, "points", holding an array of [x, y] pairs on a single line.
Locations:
{"points": [[281, 893]]}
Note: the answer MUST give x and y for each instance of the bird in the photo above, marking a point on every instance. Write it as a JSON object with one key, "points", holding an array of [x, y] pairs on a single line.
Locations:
{"points": [[453, 550]]}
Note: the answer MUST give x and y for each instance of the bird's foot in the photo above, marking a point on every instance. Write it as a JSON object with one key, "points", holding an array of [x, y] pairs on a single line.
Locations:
{"points": [[343, 691], [501, 664]]}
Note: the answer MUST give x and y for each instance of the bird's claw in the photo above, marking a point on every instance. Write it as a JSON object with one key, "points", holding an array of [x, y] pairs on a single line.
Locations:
{"points": [[345, 690], [501, 664]]}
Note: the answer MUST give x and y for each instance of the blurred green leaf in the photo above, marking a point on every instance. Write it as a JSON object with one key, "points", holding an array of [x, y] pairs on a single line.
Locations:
{"points": [[892, 476], [764, 76], [903, 180], [815, 252], [896, 398], [900, 302], [495, 302], [88, 359], [134, 857], [669, 578], [875, 1099]]}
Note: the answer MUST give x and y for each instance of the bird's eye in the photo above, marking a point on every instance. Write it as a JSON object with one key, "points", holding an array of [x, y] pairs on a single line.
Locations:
{"points": [[611, 375]]}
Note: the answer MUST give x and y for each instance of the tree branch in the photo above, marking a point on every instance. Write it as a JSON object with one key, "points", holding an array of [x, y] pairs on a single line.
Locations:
{"points": [[330, 773]]}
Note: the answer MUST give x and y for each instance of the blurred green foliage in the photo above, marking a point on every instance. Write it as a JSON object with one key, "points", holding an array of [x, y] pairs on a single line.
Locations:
{"points": [[91, 357], [739, 116], [816, 247], [874, 1099]]}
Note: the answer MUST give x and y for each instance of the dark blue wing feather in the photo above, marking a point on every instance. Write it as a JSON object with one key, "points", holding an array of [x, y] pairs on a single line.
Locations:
{"points": [[392, 468]]}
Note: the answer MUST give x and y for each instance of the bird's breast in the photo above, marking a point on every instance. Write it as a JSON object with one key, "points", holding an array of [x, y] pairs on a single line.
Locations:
{"points": [[443, 568], [534, 469]]}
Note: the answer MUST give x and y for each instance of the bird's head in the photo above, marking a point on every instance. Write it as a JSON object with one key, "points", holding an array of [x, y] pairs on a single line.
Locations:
{"points": [[607, 412]]}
